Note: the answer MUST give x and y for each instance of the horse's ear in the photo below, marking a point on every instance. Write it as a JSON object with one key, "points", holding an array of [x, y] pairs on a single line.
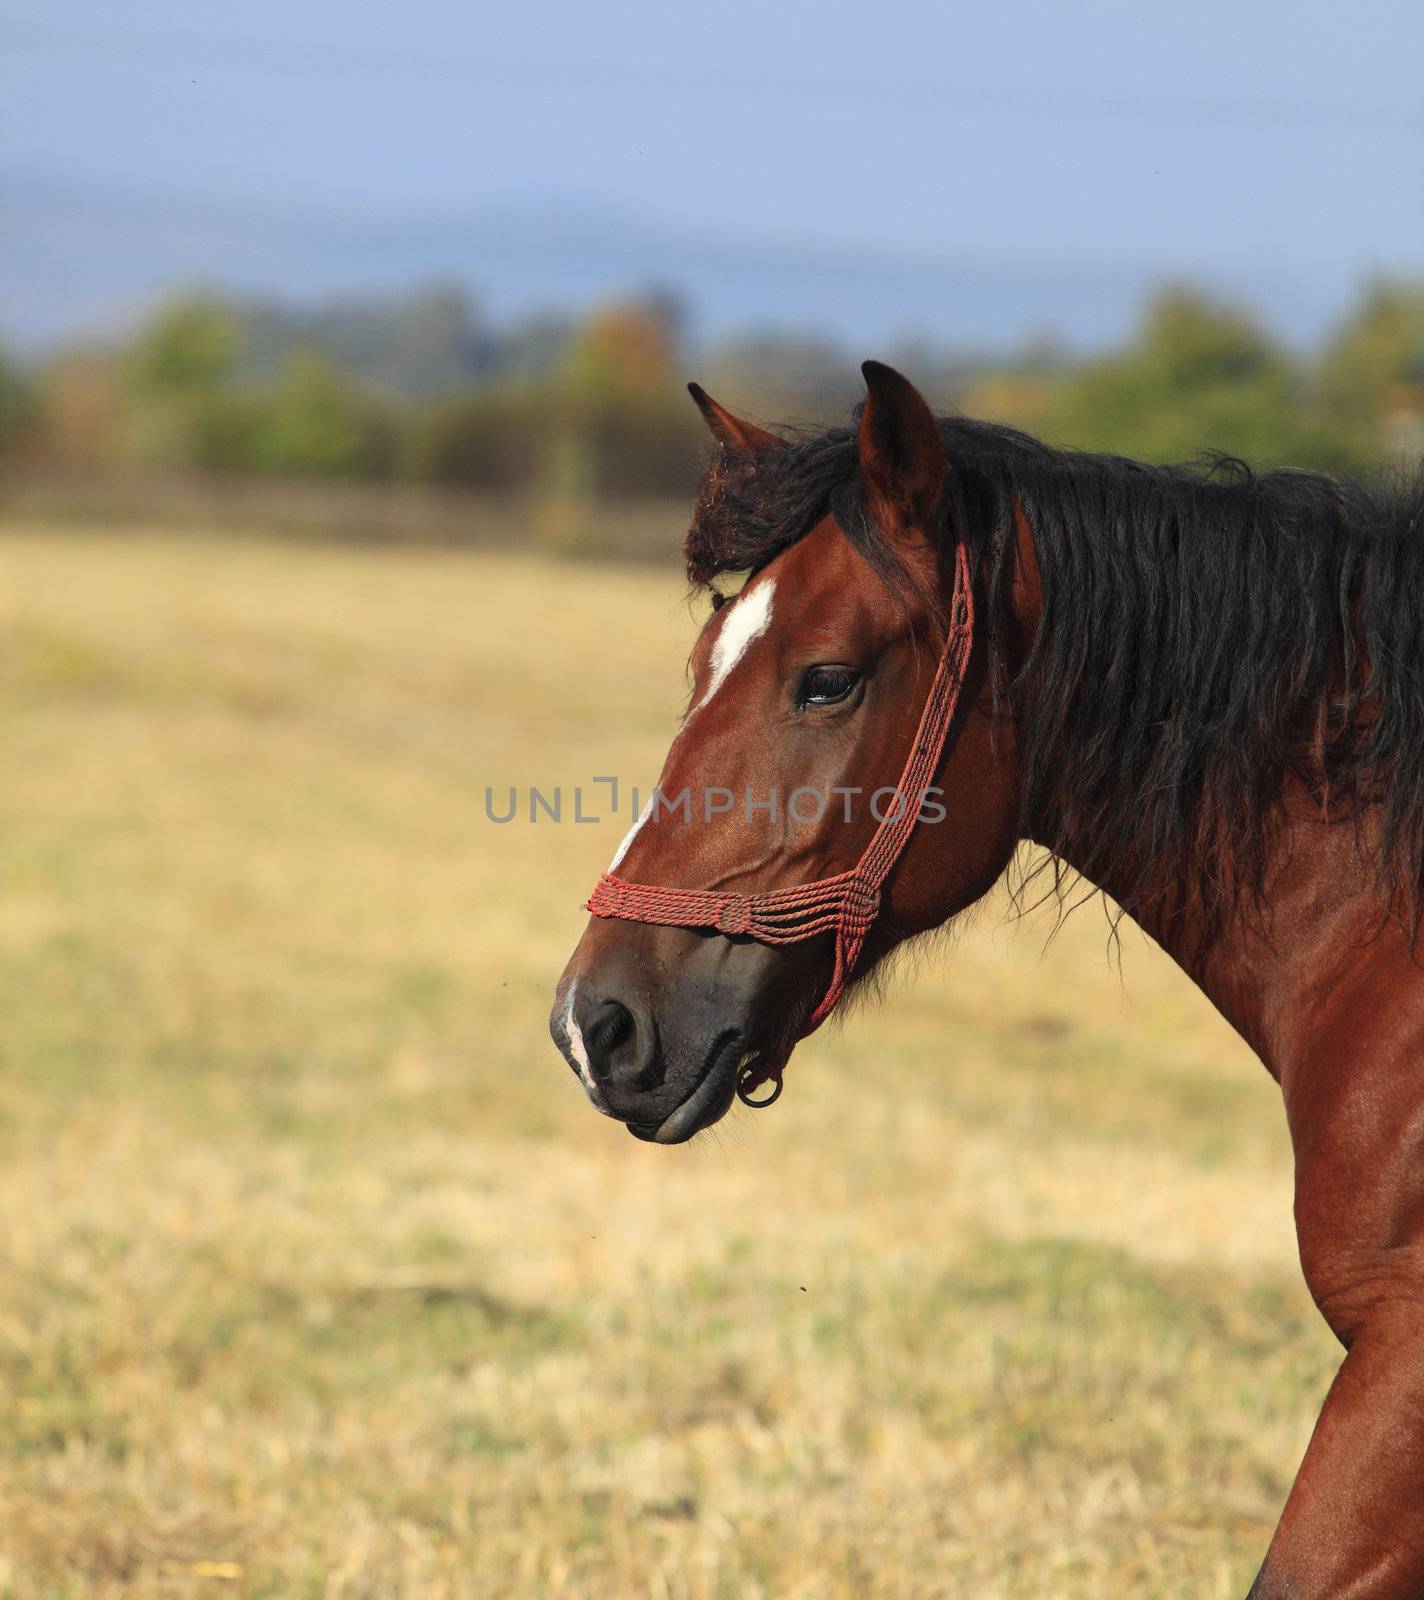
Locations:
{"points": [[731, 431], [902, 459]]}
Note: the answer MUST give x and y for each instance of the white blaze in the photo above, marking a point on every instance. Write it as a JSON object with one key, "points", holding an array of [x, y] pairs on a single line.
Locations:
{"points": [[579, 1051], [577, 1048], [632, 833], [748, 618]]}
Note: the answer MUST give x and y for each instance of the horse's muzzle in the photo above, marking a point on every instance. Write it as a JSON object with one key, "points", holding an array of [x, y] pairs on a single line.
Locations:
{"points": [[660, 1023]]}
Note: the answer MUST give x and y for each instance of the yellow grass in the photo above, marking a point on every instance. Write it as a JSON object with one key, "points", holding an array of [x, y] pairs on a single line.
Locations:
{"points": [[319, 1278]]}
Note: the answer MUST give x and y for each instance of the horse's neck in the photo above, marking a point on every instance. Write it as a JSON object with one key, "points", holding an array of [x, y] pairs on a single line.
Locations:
{"points": [[1266, 963], [1320, 930]]}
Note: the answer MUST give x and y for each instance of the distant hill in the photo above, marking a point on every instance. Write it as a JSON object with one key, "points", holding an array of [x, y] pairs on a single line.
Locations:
{"points": [[78, 259]]}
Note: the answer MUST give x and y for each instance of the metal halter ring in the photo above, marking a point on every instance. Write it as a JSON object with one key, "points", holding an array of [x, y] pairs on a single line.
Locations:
{"points": [[748, 1076]]}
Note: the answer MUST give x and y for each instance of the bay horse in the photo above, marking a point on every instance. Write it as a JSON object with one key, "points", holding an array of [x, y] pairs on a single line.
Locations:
{"points": [[1199, 688]]}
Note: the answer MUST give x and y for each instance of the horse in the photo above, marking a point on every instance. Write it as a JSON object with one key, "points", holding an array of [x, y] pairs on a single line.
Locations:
{"points": [[1199, 689]]}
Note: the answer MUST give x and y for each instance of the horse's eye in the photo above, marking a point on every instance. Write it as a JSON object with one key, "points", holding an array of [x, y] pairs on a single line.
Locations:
{"points": [[826, 686]]}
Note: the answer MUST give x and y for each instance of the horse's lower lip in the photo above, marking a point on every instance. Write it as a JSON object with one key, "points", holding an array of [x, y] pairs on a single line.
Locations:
{"points": [[707, 1102]]}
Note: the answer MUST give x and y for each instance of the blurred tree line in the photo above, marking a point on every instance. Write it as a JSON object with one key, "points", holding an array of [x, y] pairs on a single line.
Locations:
{"points": [[1202, 377], [420, 391]]}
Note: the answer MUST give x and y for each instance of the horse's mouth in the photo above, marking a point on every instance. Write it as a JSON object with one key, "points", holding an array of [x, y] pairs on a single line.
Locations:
{"points": [[709, 1100]]}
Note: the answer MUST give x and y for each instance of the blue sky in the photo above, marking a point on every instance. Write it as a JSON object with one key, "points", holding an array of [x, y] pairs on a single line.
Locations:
{"points": [[1268, 137]]}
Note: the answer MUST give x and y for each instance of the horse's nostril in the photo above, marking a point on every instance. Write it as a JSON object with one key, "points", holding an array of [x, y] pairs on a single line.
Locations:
{"points": [[608, 1030]]}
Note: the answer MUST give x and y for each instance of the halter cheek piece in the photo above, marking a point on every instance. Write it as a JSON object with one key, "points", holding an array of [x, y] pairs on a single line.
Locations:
{"points": [[846, 904]]}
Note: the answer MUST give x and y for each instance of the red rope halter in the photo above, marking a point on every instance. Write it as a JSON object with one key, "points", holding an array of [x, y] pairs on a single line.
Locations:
{"points": [[846, 904]]}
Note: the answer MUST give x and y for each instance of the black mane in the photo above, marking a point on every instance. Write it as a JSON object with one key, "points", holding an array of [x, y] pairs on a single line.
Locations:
{"points": [[1208, 633]]}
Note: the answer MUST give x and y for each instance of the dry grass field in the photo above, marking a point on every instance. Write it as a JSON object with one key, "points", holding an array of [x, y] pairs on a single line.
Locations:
{"points": [[319, 1278]]}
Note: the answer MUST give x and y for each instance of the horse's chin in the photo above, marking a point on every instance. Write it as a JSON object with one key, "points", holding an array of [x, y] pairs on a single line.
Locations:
{"points": [[709, 1102]]}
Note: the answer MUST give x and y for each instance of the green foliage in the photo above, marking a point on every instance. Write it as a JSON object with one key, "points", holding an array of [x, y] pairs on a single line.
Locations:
{"points": [[567, 414], [316, 423], [190, 347], [185, 408], [1199, 377], [14, 400], [1381, 347], [175, 380], [1374, 367]]}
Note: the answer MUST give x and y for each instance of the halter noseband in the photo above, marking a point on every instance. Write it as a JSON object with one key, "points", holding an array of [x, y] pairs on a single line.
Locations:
{"points": [[846, 904]]}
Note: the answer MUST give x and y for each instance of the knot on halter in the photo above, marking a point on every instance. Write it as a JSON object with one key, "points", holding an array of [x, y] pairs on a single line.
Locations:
{"points": [[860, 902], [846, 904], [608, 898], [735, 915]]}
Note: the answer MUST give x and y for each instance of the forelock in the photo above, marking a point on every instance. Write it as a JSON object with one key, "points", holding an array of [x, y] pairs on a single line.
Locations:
{"points": [[752, 505]]}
